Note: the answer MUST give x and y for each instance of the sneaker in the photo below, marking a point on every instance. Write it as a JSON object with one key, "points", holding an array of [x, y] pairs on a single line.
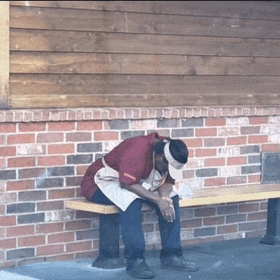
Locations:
{"points": [[140, 270], [178, 263]]}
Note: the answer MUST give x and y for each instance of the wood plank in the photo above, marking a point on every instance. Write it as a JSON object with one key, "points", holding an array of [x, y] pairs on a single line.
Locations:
{"points": [[69, 41], [141, 100], [39, 84], [201, 197], [87, 20], [268, 10], [4, 54], [97, 63]]}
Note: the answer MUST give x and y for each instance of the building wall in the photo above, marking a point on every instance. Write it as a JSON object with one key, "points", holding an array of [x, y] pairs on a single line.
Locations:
{"points": [[45, 153], [73, 54]]}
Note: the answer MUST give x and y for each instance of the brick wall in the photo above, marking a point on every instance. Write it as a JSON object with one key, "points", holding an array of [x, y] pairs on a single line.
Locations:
{"points": [[44, 154]]}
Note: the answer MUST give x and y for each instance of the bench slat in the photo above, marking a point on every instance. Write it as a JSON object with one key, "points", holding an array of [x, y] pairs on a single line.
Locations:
{"points": [[200, 197]]}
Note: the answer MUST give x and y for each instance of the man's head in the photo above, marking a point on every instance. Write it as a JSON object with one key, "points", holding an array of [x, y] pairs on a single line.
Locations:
{"points": [[174, 153]]}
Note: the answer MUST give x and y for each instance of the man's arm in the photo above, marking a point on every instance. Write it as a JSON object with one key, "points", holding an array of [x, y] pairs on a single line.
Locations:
{"points": [[166, 209]]}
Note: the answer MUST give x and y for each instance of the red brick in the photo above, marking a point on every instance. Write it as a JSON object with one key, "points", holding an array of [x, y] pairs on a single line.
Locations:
{"points": [[258, 139], [248, 226], [49, 227], [258, 120], [215, 122], [213, 221], [50, 205], [2, 163], [61, 237], [61, 149], [214, 162], [227, 229], [200, 132], [61, 126], [8, 221], [205, 212], [8, 243], [2, 233], [106, 136], [57, 194], [188, 174], [90, 125], [75, 225], [81, 170], [254, 178], [237, 140], [50, 250], [2, 139], [31, 173], [29, 127], [257, 216], [8, 151], [192, 223], [49, 137], [194, 142], [205, 152], [249, 207], [21, 162], [214, 142], [31, 241], [51, 160], [237, 160], [78, 136], [20, 230], [250, 130], [271, 147], [20, 185], [79, 247], [7, 127], [21, 139], [212, 182]]}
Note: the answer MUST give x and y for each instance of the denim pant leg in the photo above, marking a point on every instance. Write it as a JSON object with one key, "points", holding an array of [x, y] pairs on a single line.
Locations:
{"points": [[170, 232], [131, 227], [132, 232]]}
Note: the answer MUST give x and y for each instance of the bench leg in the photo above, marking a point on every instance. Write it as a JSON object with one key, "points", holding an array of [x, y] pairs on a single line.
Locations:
{"points": [[109, 252], [272, 236]]}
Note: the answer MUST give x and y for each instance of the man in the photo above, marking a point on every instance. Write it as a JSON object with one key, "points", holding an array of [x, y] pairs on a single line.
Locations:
{"points": [[134, 172]]}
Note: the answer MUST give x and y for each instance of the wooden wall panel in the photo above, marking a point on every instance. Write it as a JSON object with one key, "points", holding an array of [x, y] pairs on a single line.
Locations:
{"points": [[144, 53], [4, 54]]}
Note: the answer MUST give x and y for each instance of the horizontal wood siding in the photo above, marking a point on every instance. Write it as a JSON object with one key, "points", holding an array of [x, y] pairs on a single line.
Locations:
{"points": [[144, 53]]}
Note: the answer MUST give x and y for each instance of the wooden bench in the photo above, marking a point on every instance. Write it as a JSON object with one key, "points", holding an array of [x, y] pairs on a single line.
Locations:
{"points": [[109, 226]]}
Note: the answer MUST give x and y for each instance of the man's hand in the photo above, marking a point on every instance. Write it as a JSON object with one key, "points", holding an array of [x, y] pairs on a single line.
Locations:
{"points": [[167, 209]]}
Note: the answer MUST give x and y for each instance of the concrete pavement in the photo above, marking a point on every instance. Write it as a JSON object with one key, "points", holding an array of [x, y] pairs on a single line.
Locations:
{"points": [[244, 259]]}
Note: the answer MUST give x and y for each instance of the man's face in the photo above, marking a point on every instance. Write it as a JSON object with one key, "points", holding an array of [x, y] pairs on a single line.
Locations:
{"points": [[161, 163]]}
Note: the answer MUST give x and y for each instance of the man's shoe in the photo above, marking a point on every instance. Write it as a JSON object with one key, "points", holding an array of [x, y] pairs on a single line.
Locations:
{"points": [[178, 263], [140, 270]]}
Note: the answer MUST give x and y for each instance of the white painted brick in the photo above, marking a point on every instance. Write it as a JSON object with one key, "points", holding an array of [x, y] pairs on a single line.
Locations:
{"points": [[30, 150], [186, 234], [152, 238], [143, 124], [238, 121], [193, 183], [109, 146], [274, 120], [54, 216], [228, 151], [228, 131], [270, 129], [274, 138], [195, 163], [229, 171]]}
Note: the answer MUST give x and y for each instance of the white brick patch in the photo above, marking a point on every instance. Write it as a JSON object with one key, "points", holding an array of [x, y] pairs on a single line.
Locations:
{"points": [[228, 151], [238, 121], [30, 150], [228, 131], [229, 171]]}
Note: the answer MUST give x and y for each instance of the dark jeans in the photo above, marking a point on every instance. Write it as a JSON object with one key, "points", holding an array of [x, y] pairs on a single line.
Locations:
{"points": [[132, 233]]}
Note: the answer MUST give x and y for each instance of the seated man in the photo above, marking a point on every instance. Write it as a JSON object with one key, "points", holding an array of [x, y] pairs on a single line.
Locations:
{"points": [[133, 172]]}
